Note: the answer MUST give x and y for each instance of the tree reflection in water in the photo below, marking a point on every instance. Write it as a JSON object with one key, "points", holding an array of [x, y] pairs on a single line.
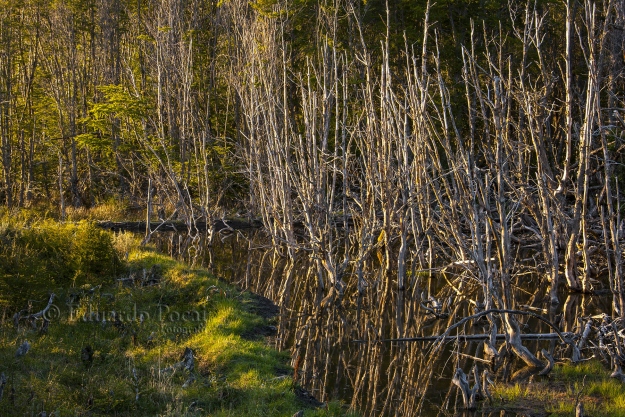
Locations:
{"points": [[334, 345]]}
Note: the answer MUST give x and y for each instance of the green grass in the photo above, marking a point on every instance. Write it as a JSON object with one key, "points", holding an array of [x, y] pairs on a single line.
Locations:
{"points": [[558, 392], [130, 373]]}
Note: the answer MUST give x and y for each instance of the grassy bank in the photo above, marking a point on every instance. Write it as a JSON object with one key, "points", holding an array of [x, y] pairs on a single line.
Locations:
{"points": [[116, 335], [558, 393]]}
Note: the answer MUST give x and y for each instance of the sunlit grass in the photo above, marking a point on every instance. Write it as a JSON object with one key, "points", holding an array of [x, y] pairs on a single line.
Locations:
{"points": [[136, 334], [112, 209], [587, 369], [512, 392], [558, 393]]}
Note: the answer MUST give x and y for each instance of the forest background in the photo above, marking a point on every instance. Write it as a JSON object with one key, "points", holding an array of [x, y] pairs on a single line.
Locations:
{"points": [[438, 131]]}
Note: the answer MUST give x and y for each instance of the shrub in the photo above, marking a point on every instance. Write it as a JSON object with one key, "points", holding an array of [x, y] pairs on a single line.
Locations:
{"points": [[49, 257], [93, 254]]}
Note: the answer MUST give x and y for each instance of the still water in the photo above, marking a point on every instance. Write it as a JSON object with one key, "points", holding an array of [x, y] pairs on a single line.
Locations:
{"points": [[334, 346]]}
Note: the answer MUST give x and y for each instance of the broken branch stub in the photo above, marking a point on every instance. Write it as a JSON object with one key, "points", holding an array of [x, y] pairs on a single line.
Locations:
{"points": [[468, 394]]}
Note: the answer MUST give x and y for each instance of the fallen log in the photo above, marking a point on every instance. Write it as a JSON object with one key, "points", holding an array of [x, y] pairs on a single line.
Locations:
{"points": [[180, 226], [468, 337], [20, 315], [167, 225]]}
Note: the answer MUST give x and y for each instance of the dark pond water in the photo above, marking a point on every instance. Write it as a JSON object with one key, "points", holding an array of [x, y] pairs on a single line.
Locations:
{"points": [[333, 349]]}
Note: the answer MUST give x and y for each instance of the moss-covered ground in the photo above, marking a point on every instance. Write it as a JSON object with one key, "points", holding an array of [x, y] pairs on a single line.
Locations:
{"points": [[558, 393], [119, 327]]}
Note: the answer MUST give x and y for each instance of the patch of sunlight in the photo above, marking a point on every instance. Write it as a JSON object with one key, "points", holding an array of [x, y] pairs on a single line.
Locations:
{"points": [[590, 369], [511, 392], [215, 348], [223, 318], [248, 379], [562, 408], [616, 406], [609, 388], [149, 258]]}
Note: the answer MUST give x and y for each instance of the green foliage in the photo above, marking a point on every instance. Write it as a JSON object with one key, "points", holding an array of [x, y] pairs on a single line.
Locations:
{"points": [[46, 257], [117, 102], [588, 369], [557, 394], [93, 254], [117, 108]]}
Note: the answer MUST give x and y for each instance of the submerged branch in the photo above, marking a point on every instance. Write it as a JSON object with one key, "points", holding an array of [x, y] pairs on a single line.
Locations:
{"points": [[505, 311], [467, 337], [563, 336]]}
